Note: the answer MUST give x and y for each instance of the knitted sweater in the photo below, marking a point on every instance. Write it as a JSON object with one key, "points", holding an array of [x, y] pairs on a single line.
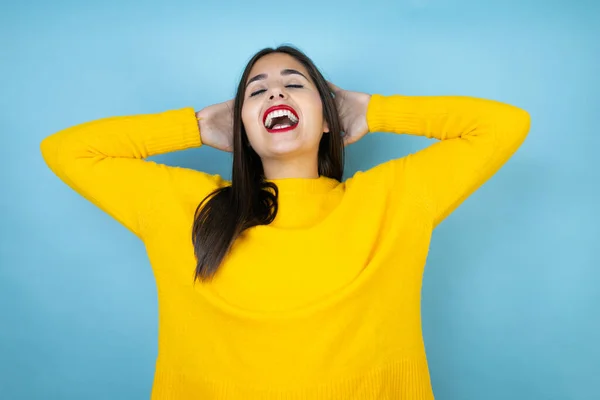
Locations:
{"points": [[324, 302]]}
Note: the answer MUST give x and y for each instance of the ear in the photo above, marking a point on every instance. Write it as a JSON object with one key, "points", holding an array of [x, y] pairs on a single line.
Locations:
{"points": [[325, 126]]}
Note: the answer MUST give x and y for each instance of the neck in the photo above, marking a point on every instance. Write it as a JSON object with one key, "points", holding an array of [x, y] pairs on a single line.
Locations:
{"points": [[301, 167]]}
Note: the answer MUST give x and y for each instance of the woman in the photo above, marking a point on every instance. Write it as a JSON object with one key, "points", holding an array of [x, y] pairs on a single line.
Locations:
{"points": [[292, 285]]}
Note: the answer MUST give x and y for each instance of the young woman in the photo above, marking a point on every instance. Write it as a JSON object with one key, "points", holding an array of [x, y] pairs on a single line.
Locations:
{"points": [[286, 282]]}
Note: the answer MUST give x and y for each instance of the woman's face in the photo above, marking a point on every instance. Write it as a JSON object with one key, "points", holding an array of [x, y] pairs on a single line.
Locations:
{"points": [[282, 111]]}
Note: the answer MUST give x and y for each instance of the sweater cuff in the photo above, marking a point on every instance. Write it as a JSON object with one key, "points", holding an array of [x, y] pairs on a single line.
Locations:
{"points": [[395, 113], [173, 130]]}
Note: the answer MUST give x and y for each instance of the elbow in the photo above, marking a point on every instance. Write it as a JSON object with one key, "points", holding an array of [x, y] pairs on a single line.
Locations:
{"points": [[56, 152], [519, 124], [525, 120], [523, 123], [49, 148]]}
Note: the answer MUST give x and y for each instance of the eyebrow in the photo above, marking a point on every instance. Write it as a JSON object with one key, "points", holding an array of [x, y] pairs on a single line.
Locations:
{"points": [[284, 72]]}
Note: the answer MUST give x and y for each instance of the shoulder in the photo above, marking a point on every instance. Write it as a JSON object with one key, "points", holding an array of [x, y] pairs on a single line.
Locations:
{"points": [[383, 175], [396, 179], [188, 181], [174, 183]]}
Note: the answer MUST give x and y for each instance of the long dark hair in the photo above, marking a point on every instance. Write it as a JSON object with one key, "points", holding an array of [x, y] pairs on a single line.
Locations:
{"points": [[251, 200]]}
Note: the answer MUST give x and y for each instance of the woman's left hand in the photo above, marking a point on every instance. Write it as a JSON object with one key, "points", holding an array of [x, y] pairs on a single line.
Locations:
{"points": [[352, 109]]}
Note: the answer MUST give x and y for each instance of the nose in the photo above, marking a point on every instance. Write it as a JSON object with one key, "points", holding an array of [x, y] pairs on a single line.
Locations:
{"points": [[277, 93]]}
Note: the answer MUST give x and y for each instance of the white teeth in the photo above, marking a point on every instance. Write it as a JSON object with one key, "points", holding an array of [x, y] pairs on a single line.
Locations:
{"points": [[280, 113]]}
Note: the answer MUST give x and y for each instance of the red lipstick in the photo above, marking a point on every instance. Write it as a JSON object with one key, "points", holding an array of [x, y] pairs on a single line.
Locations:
{"points": [[280, 107]]}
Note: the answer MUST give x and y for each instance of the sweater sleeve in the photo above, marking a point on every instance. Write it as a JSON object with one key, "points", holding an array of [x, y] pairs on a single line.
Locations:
{"points": [[104, 161], [475, 138]]}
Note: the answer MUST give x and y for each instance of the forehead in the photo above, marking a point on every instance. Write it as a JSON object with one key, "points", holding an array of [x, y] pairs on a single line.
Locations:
{"points": [[273, 64]]}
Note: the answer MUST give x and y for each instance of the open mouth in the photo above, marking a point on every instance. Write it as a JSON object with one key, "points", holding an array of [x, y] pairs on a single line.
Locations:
{"points": [[281, 118]]}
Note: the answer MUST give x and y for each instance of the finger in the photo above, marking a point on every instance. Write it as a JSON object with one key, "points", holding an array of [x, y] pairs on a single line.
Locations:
{"points": [[230, 104], [347, 139], [333, 87]]}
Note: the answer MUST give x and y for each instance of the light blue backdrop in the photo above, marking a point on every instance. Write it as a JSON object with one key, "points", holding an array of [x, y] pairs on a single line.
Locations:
{"points": [[511, 293]]}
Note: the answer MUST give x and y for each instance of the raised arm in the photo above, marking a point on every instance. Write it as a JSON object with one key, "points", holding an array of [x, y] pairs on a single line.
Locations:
{"points": [[104, 161], [476, 137]]}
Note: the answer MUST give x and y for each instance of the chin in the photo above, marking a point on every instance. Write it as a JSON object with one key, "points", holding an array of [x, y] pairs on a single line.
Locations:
{"points": [[288, 144], [284, 148]]}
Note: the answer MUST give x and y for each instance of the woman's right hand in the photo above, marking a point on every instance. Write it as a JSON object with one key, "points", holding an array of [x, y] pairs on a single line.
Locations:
{"points": [[216, 125]]}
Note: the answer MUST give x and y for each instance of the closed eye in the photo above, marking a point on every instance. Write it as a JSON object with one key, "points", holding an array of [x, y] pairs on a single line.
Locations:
{"points": [[294, 86], [257, 92]]}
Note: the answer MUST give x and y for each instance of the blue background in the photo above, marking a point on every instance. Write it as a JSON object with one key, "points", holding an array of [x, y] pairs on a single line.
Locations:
{"points": [[510, 294]]}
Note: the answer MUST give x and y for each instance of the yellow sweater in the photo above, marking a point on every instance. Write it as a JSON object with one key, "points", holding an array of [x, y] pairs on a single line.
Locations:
{"points": [[323, 303]]}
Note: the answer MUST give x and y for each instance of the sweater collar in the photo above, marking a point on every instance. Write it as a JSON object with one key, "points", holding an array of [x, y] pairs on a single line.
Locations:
{"points": [[304, 202], [309, 186]]}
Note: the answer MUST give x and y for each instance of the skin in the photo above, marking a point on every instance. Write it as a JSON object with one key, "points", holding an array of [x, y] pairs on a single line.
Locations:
{"points": [[291, 154]]}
